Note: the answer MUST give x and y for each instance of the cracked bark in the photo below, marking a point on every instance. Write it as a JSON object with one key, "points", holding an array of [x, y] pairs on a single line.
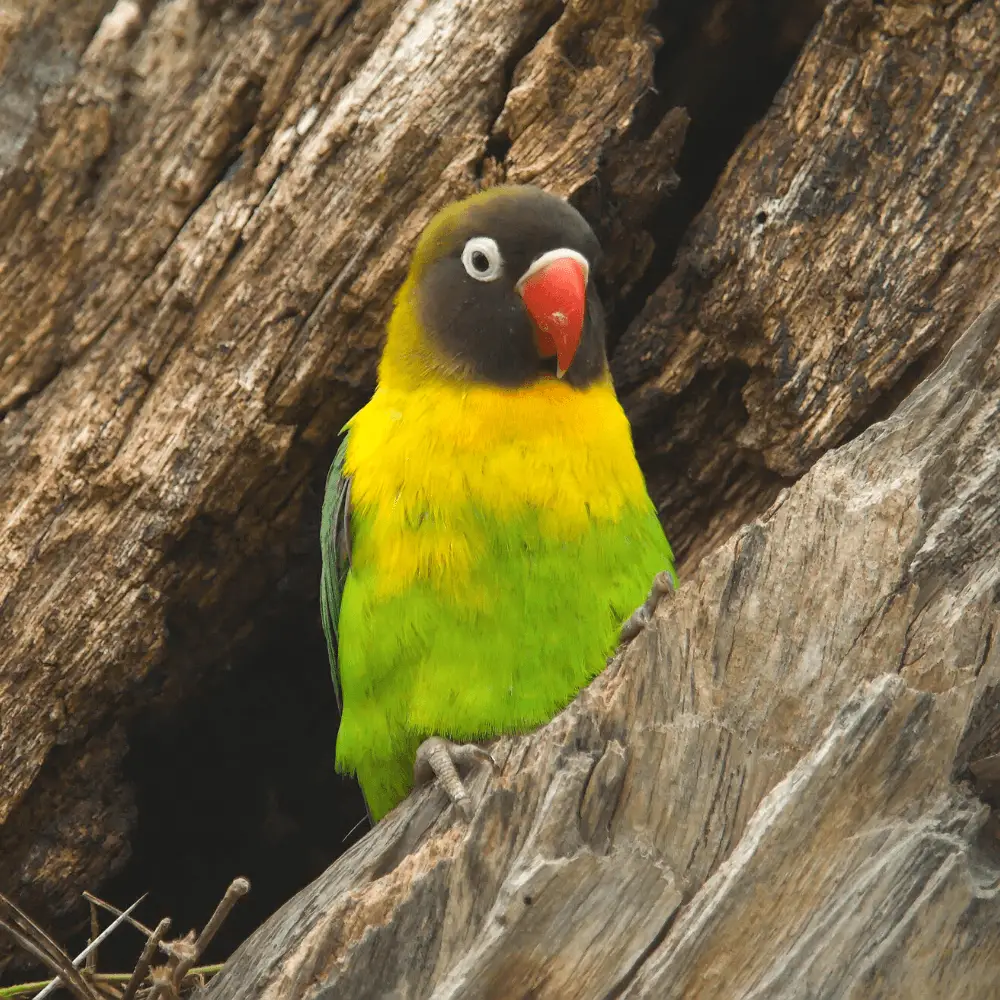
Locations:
{"points": [[849, 241], [763, 796], [206, 210], [204, 225]]}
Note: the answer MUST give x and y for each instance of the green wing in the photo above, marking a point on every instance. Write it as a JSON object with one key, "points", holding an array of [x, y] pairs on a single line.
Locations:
{"points": [[335, 543]]}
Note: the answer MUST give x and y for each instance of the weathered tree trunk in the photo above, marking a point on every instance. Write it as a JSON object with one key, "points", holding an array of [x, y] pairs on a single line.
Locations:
{"points": [[204, 212], [850, 239], [761, 797]]}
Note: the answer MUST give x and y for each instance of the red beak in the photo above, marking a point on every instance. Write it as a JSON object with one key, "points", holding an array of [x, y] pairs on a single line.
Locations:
{"points": [[554, 291]]}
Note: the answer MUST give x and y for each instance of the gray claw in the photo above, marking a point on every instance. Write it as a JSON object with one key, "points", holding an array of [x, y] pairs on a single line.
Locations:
{"points": [[440, 758], [663, 584]]}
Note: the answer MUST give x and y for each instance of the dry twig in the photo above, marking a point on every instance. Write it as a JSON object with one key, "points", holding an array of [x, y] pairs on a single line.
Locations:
{"points": [[37, 943], [141, 969], [86, 951], [165, 980], [105, 905], [238, 888], [95, 930]]}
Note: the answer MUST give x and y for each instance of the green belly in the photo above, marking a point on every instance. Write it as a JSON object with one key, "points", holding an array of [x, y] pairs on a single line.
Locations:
{"points": [[542, 619]]}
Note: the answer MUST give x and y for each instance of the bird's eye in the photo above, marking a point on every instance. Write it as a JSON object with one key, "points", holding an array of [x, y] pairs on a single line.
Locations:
{"points": [[482, 260]]}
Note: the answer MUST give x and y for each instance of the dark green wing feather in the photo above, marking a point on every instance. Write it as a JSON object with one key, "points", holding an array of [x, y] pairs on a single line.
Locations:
{"points": [[335, 543]]}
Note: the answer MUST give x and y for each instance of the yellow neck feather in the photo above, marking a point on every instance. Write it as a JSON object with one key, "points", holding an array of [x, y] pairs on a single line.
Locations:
{"points": [[425, 438]]}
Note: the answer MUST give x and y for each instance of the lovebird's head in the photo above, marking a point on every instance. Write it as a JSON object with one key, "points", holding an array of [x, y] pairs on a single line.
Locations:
{"points": [[499, 291]]}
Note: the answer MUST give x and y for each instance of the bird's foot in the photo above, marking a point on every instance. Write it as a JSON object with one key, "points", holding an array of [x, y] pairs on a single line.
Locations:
{"points": [[440, 758], [663, 584]]}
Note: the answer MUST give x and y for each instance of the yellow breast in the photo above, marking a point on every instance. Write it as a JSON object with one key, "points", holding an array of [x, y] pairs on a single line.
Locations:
{"points": [[424, 458], [549, 447]]}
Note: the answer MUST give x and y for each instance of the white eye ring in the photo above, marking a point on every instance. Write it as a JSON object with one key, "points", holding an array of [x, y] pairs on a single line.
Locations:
{"points": [[481, 258]]}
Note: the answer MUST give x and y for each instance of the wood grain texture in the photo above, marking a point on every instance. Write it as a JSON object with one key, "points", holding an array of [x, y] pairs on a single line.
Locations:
{"points": [[762, 797], [206, 209], [846, 245]]}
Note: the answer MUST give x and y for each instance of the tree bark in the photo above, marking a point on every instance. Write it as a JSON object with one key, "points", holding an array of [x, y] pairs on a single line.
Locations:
{"points": [[762, 796], [206, 209], [849, 241]]}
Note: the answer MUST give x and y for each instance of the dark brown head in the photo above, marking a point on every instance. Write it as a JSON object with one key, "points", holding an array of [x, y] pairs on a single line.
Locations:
{"points": [[500, 286]]}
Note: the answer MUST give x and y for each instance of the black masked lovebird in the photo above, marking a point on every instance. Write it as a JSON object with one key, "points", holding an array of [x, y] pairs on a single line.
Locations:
{"points": [[486, 528]]}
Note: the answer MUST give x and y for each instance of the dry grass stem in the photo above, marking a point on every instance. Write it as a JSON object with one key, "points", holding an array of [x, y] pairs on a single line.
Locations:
{"points": [[105, 905], [37, 943], [110, 929], [164, 982]]}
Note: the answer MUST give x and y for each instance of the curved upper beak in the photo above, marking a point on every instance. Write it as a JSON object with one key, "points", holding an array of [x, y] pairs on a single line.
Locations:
{"points": [[554, 291]]}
